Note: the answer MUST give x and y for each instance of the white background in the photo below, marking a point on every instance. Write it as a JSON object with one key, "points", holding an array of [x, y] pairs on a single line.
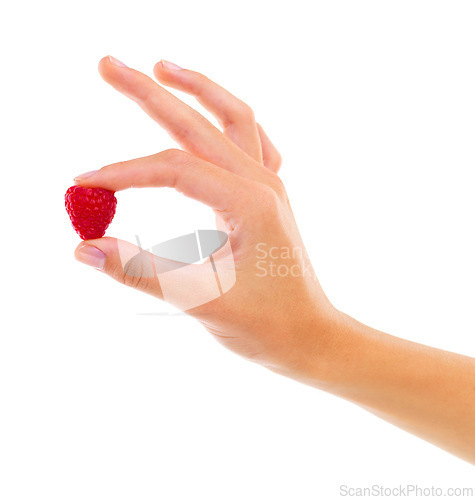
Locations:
{"points": [[372, 106]]}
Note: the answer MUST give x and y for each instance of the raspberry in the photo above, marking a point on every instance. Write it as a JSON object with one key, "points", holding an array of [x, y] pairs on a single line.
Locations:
{"points": [[91, 210]]}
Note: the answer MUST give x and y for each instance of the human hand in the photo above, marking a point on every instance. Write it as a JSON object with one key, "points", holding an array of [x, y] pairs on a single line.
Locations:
{"points": [[274, 311], [281, 320]]}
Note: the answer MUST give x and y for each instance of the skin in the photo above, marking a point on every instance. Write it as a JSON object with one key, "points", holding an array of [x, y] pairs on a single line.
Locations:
{"points": [[285, 323]]}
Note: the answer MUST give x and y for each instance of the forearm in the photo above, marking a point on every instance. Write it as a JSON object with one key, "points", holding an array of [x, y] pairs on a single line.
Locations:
{"points": [[426, 391]]}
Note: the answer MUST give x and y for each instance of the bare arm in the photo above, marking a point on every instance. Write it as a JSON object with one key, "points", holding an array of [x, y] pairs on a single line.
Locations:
{"points": [[425, 391]]}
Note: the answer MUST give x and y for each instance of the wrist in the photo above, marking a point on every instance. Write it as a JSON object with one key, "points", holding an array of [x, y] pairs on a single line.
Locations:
{"points": [[320, 349]]}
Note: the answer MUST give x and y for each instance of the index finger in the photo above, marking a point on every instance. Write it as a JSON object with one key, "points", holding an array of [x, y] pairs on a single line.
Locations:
{"points": [[198, 179]]}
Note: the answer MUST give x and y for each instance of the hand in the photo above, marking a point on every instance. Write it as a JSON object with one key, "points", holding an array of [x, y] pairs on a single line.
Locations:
{"points": [[274, 311]]}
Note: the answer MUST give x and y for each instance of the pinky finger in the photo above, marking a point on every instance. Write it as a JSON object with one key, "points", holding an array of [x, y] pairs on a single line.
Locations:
{"points": [[272, 158]]}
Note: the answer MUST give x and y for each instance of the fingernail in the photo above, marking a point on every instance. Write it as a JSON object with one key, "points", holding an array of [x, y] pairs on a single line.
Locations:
{"points": [[169, 65], [91, 256], [116, 62], [85, 175]]}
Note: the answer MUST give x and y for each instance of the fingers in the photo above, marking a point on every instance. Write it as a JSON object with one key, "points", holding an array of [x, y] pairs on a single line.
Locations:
{"points": [[235, 117], [184, 124], [182, 284], [124, 262], [195, 178], [131, 265], [271, 157]]}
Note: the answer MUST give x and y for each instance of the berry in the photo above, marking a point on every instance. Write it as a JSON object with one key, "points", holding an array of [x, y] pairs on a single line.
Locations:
{"points": [[91, 210]]}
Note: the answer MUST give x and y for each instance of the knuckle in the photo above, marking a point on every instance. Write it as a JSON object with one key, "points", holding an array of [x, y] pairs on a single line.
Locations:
{"points": [[187, 130], [174, 154], [277, 161], [246, 111], [268, 197], [179, 159], [132, 281], [239, 112], [278, 186], [202, 83], [180, 134], [273, 182], [134, 273], [146, 97]]}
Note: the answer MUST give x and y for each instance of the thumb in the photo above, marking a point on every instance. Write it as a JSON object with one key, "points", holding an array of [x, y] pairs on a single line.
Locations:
{"points": [[124, 262], [181, 284]]}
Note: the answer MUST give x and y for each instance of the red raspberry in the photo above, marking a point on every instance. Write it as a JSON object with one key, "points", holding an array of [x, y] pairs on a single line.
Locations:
{"points": [[91, 210]]}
